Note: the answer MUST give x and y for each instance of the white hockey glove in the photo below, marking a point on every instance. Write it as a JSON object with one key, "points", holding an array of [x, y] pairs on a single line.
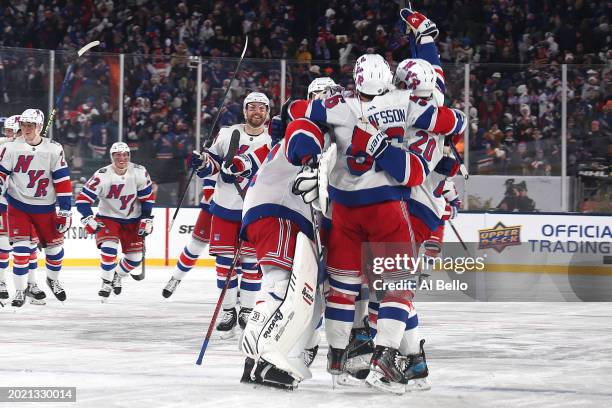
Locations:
{"points": [[91, 224], [63, 220], [306, 184], [145, 227]]}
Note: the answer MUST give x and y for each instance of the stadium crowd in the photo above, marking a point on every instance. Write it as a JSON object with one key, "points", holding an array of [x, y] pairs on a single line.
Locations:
{"points": [[515, 109]]}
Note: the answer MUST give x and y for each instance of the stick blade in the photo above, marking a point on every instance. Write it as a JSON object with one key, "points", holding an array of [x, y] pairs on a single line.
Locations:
{"points": [[87, 47]]}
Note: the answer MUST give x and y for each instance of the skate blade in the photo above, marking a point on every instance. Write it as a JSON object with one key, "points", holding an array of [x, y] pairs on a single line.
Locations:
{"points": [[375, 379], [39, 302], [103, 299], [347, 380], [334, 381], [419, 384]]}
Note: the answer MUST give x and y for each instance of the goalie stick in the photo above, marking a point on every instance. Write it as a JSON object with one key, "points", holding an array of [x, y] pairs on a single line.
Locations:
{"points": [[65, 82], [209, 139]]}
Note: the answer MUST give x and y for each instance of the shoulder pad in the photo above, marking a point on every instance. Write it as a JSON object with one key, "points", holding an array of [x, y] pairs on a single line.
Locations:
{"points": [[55, 143], [102, 170], [138, 166]]}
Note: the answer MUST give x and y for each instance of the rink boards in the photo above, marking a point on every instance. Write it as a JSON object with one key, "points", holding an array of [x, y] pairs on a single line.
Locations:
{"points": [[549, 243]]}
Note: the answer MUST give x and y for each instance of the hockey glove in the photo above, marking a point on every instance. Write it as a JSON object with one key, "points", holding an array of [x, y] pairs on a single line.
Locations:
{"points": [[145, 227], [368, 141], [91, 225], [63, 220], [275, 129], [306, 184], [200, 162], [240, 165], [419, 24], [447, 166]]}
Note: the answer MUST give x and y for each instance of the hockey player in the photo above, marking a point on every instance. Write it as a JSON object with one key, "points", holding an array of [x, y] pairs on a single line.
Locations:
{"points": [[37, 295], [226, 209], [369, 186], [39, 178], [126, 198], [200, 238], [276, 222]]}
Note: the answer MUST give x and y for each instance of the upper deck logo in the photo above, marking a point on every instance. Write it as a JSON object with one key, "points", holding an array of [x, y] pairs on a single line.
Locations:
{"points": [[499, 237]]}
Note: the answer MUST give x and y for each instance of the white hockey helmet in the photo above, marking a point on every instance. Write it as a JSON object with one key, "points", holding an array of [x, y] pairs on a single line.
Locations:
{"points": [[418, 75], [32, 116], [320, 85], [12, 122], [372, 74], [119, 147], [256, 97]]}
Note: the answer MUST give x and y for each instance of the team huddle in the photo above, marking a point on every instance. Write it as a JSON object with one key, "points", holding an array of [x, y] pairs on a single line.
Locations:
{"points": [[288, 210], [289, 204]]}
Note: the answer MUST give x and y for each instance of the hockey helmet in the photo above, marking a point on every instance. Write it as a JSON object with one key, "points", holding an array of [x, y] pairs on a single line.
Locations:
{"points": [[119, 147], [32, 116], [256, 97], [12, 122], [372, 75], [320, 85], [418, 75]]}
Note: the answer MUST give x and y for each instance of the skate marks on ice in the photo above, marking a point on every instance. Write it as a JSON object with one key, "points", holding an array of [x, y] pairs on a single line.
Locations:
{"points": [[139, 350]]}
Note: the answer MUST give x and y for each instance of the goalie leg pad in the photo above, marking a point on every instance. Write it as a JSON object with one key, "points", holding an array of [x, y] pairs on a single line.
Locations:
{"points": [[274, 327]]}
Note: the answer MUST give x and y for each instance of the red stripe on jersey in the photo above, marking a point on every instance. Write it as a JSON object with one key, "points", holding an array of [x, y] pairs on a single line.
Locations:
{"points": [[298, 108], [445, 121], [63, 186], [261, 153], [398, 299], [417, 171], [208, 193], [340, 298], [83, 198], [440, 73]]}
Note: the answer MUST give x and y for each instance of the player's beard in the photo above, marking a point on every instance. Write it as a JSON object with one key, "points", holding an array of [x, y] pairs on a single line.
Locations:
{"points": [[256, 121]]}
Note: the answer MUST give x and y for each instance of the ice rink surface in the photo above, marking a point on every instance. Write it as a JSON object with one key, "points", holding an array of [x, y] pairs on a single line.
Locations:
{"points": [[139, 350]]}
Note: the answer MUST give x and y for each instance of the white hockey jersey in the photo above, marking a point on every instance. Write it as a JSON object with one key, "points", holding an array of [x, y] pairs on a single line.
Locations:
{"points": [[3, 202], [354, 182], [227, 202], [122, 198], [269, 193], [39, 176]]}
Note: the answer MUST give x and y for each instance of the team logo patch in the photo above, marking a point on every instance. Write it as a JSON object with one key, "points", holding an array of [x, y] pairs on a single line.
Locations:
{"points": [[499, 237], [217, 237]]}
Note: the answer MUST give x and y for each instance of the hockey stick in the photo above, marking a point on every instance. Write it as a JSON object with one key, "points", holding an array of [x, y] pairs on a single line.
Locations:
{"points": [[65, 82], [229, 157], [449, 221], [144, 257], [209, 138], [213, 320]]}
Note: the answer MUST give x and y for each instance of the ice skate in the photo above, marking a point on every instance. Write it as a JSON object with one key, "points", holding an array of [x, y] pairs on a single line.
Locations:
{"points": [[229, 320], [138, 276], [105, 290], [19, 298], [170, 287], [386, 371], [3, 292], [336, 359], [416, 371], [36, 294], [116, 284], [57, 289], [309, 355], [243, 316], [268, 375]]}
